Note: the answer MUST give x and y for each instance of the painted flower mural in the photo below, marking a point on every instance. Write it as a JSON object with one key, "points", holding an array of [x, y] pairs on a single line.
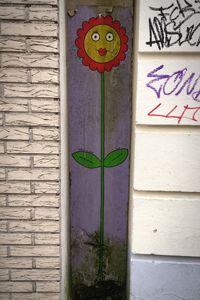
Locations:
{"points": [[102, 44]]}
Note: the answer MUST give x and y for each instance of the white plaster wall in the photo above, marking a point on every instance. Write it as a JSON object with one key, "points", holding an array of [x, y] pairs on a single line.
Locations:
{"points": [[165, 172]]}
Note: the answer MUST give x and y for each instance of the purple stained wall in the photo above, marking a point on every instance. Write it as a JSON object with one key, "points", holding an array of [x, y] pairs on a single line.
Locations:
{"points": [[84, 134]]}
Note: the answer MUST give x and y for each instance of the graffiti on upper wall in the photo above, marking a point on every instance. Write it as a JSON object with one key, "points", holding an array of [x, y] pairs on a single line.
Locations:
{"points": [[170, 92], [169, 25], [177, 23], [176, 83], [101, 45]]}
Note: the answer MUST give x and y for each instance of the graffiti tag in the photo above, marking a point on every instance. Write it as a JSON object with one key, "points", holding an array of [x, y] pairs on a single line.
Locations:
{"points": [[175, 24]]}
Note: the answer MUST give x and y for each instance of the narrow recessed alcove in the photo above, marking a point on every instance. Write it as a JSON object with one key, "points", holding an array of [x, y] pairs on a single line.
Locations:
{"points": [[99, 92]]}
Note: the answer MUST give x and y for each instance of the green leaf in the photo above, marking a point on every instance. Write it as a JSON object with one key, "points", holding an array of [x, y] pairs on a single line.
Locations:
{"points": [[115, 158], [87, 159]]}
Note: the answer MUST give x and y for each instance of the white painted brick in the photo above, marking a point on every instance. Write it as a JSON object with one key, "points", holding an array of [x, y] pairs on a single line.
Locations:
{"points": [[15, 187], [39, 275], [13, 105], [3, 251], [43, 45], [12, 12], [47, 213], [44, 106], [14, 160], [44, 76], [13, 75], [6, 287], [47, 263], [38, 89], [169, 163], [3, 226], [33, 200], [4, 296], [1, 119], [2, 174], [42, 161], [35, 147], [33, 60], [29, 29], [34, 251], [47, 187], [35, 296], [15, 239], [47, 239], [36, 174], [31, 119], [2, 200], [31, 90], [12, 44], [41, 134], [43, 13], [48, 287], [54, 2], [4, 275], [15, 213], [15, 263], [43, 99], [34, 226], [1, 147], [11, 133]]}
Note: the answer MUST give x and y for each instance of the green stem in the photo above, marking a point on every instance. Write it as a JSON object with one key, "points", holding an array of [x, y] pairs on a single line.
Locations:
{"points": [[101, 233]]}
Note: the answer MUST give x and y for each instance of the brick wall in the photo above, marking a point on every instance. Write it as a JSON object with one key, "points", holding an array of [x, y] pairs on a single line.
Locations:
{"points": [[29, 148]]}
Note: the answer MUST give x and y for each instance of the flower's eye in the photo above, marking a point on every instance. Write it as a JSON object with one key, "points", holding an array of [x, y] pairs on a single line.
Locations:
{"points": [[109, 36], [95, 36]]}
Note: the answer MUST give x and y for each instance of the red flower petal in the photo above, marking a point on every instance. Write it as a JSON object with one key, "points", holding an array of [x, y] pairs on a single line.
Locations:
{"points": [[87, 60]]}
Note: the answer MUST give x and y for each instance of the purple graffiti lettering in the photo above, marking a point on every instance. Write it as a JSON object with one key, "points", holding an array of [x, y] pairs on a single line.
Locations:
{"points": [[196, 96], [176, 75], [158, 77], [177, 83], [188, 83]]}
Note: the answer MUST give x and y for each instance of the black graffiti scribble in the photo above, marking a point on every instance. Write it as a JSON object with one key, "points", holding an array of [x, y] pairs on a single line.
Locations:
{"points": [[175, 24]]}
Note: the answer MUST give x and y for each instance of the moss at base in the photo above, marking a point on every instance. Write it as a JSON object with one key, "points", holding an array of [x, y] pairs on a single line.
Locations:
{"points": [[85, 249]]}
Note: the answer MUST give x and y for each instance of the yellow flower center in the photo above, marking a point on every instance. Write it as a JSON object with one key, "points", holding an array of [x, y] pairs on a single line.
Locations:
{"points": [[102, 43]]}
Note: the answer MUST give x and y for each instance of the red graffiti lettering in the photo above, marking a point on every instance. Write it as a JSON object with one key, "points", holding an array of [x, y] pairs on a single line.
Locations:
{"points": [[188, 112]]}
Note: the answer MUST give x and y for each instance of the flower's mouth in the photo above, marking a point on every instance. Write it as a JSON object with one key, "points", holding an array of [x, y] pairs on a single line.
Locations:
{"points": [[102, 51]]}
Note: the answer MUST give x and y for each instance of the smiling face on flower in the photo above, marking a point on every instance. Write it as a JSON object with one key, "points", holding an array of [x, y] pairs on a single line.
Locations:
{"points": [[101, 43]]}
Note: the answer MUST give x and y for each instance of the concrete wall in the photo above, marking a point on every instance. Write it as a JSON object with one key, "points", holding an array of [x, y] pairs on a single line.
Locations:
{"points": [[29, 187]]}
